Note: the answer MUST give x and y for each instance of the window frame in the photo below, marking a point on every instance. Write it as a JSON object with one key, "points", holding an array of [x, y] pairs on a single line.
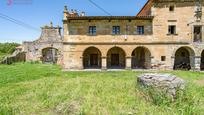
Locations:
{"points": [[170, 30], [171, 8], [163, 58], [92, 30], [195, 27], [139, 31], [116, 30]]}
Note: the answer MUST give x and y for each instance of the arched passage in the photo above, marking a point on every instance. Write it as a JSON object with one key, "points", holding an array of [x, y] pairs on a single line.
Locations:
{"points": [[49, 55], [92, 58], [184, 59], [141, 58], [116, 58], [202, 61]]}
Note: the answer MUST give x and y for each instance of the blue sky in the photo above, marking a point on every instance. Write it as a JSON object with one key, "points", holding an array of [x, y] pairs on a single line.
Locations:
{"points": [[40, 12]]}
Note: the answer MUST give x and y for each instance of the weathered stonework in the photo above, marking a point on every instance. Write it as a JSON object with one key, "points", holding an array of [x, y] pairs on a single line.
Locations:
{"points": [[50, 38], [157, 46], [156, 40], [166, 83]]}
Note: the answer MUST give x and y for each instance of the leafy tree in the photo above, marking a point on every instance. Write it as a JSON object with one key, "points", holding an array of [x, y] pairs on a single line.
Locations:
{"points": [[8, 48]]}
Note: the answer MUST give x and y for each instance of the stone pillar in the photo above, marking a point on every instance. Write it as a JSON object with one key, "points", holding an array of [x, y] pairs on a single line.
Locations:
{"points": [[197, 63], [172, 63], [128, 62], [81, 66], [152, 62], [104, 63]]}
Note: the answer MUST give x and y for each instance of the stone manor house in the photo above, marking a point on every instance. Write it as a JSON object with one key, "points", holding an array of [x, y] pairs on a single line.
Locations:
{"points": [[165, 34]]}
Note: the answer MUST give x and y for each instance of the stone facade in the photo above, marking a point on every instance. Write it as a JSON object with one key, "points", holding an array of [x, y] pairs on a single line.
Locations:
{"points": [[48, 48], [168, 26]]}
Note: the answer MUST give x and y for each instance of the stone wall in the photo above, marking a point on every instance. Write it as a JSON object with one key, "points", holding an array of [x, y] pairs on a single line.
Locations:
{"points": [[49, 38], [156, 38]]}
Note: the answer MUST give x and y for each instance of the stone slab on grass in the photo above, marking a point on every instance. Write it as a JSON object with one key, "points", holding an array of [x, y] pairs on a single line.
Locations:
{"points": [[168, 83]]}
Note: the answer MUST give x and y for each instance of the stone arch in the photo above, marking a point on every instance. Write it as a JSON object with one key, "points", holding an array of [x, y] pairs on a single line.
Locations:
{"points": [[141, 58], [92, 58], [184, 58], [50, 55], [116, 58], [202, 61]]}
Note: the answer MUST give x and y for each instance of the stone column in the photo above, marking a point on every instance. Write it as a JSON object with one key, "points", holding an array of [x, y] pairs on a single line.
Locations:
{"points": [[152, 62], [81, 66], [128, 62], [172, 63], [197, 63], [104, 63]]}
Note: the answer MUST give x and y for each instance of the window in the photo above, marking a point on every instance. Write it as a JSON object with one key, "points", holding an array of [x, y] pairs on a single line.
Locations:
{"points": [[172, 29], [140, 30], [197, 34], [92, 30], [116, 29], [171, 8], [163, 58]]}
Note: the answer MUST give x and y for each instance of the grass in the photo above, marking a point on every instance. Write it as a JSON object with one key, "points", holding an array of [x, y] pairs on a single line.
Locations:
{"points": [[44, 89]]}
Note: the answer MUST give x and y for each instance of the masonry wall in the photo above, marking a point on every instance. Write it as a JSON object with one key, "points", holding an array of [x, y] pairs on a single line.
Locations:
{"points": [[156, 38]]}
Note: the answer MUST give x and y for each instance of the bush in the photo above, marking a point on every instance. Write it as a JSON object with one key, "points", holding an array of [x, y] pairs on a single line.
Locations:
{"points": [[7, 49]]}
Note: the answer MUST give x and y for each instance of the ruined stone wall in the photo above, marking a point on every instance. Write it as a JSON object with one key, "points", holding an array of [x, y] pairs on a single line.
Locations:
{"points": [[50, 38]]}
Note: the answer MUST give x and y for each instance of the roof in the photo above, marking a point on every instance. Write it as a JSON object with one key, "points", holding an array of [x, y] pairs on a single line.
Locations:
{"points": [[145, 11], [110, 18]]}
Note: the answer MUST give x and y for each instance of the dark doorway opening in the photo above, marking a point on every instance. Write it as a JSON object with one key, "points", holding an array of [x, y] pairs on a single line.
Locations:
{"points": [[94, 59], [49, 55], [116, 58], [202, 61], [141, 58], [183, 60]]}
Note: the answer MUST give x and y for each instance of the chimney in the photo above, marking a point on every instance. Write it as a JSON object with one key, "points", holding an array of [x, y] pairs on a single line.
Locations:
{"points": [[51, 24], [66, 12], [82, 13], [76, 13]]}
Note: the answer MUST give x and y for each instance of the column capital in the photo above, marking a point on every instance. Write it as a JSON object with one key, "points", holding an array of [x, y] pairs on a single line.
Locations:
{"points": [[128, 56], [197, 56], [104, 57]]}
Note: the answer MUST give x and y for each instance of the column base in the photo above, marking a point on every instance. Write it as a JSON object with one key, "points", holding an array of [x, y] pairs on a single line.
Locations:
{"points": [[104, 68], [128, 68]]}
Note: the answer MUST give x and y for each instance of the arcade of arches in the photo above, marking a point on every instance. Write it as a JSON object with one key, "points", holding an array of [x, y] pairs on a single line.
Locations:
{"points": [[183, 59]]}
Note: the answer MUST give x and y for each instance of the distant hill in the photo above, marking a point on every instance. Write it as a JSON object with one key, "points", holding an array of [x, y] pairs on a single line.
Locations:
{"points": [[7, 49]]}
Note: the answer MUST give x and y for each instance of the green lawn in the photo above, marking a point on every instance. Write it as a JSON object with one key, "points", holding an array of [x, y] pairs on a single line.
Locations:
{"points": [[44, 89]]}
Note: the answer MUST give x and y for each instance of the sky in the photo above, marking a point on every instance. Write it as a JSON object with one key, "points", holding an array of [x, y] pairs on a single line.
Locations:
{"points": [[38, 13]]}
